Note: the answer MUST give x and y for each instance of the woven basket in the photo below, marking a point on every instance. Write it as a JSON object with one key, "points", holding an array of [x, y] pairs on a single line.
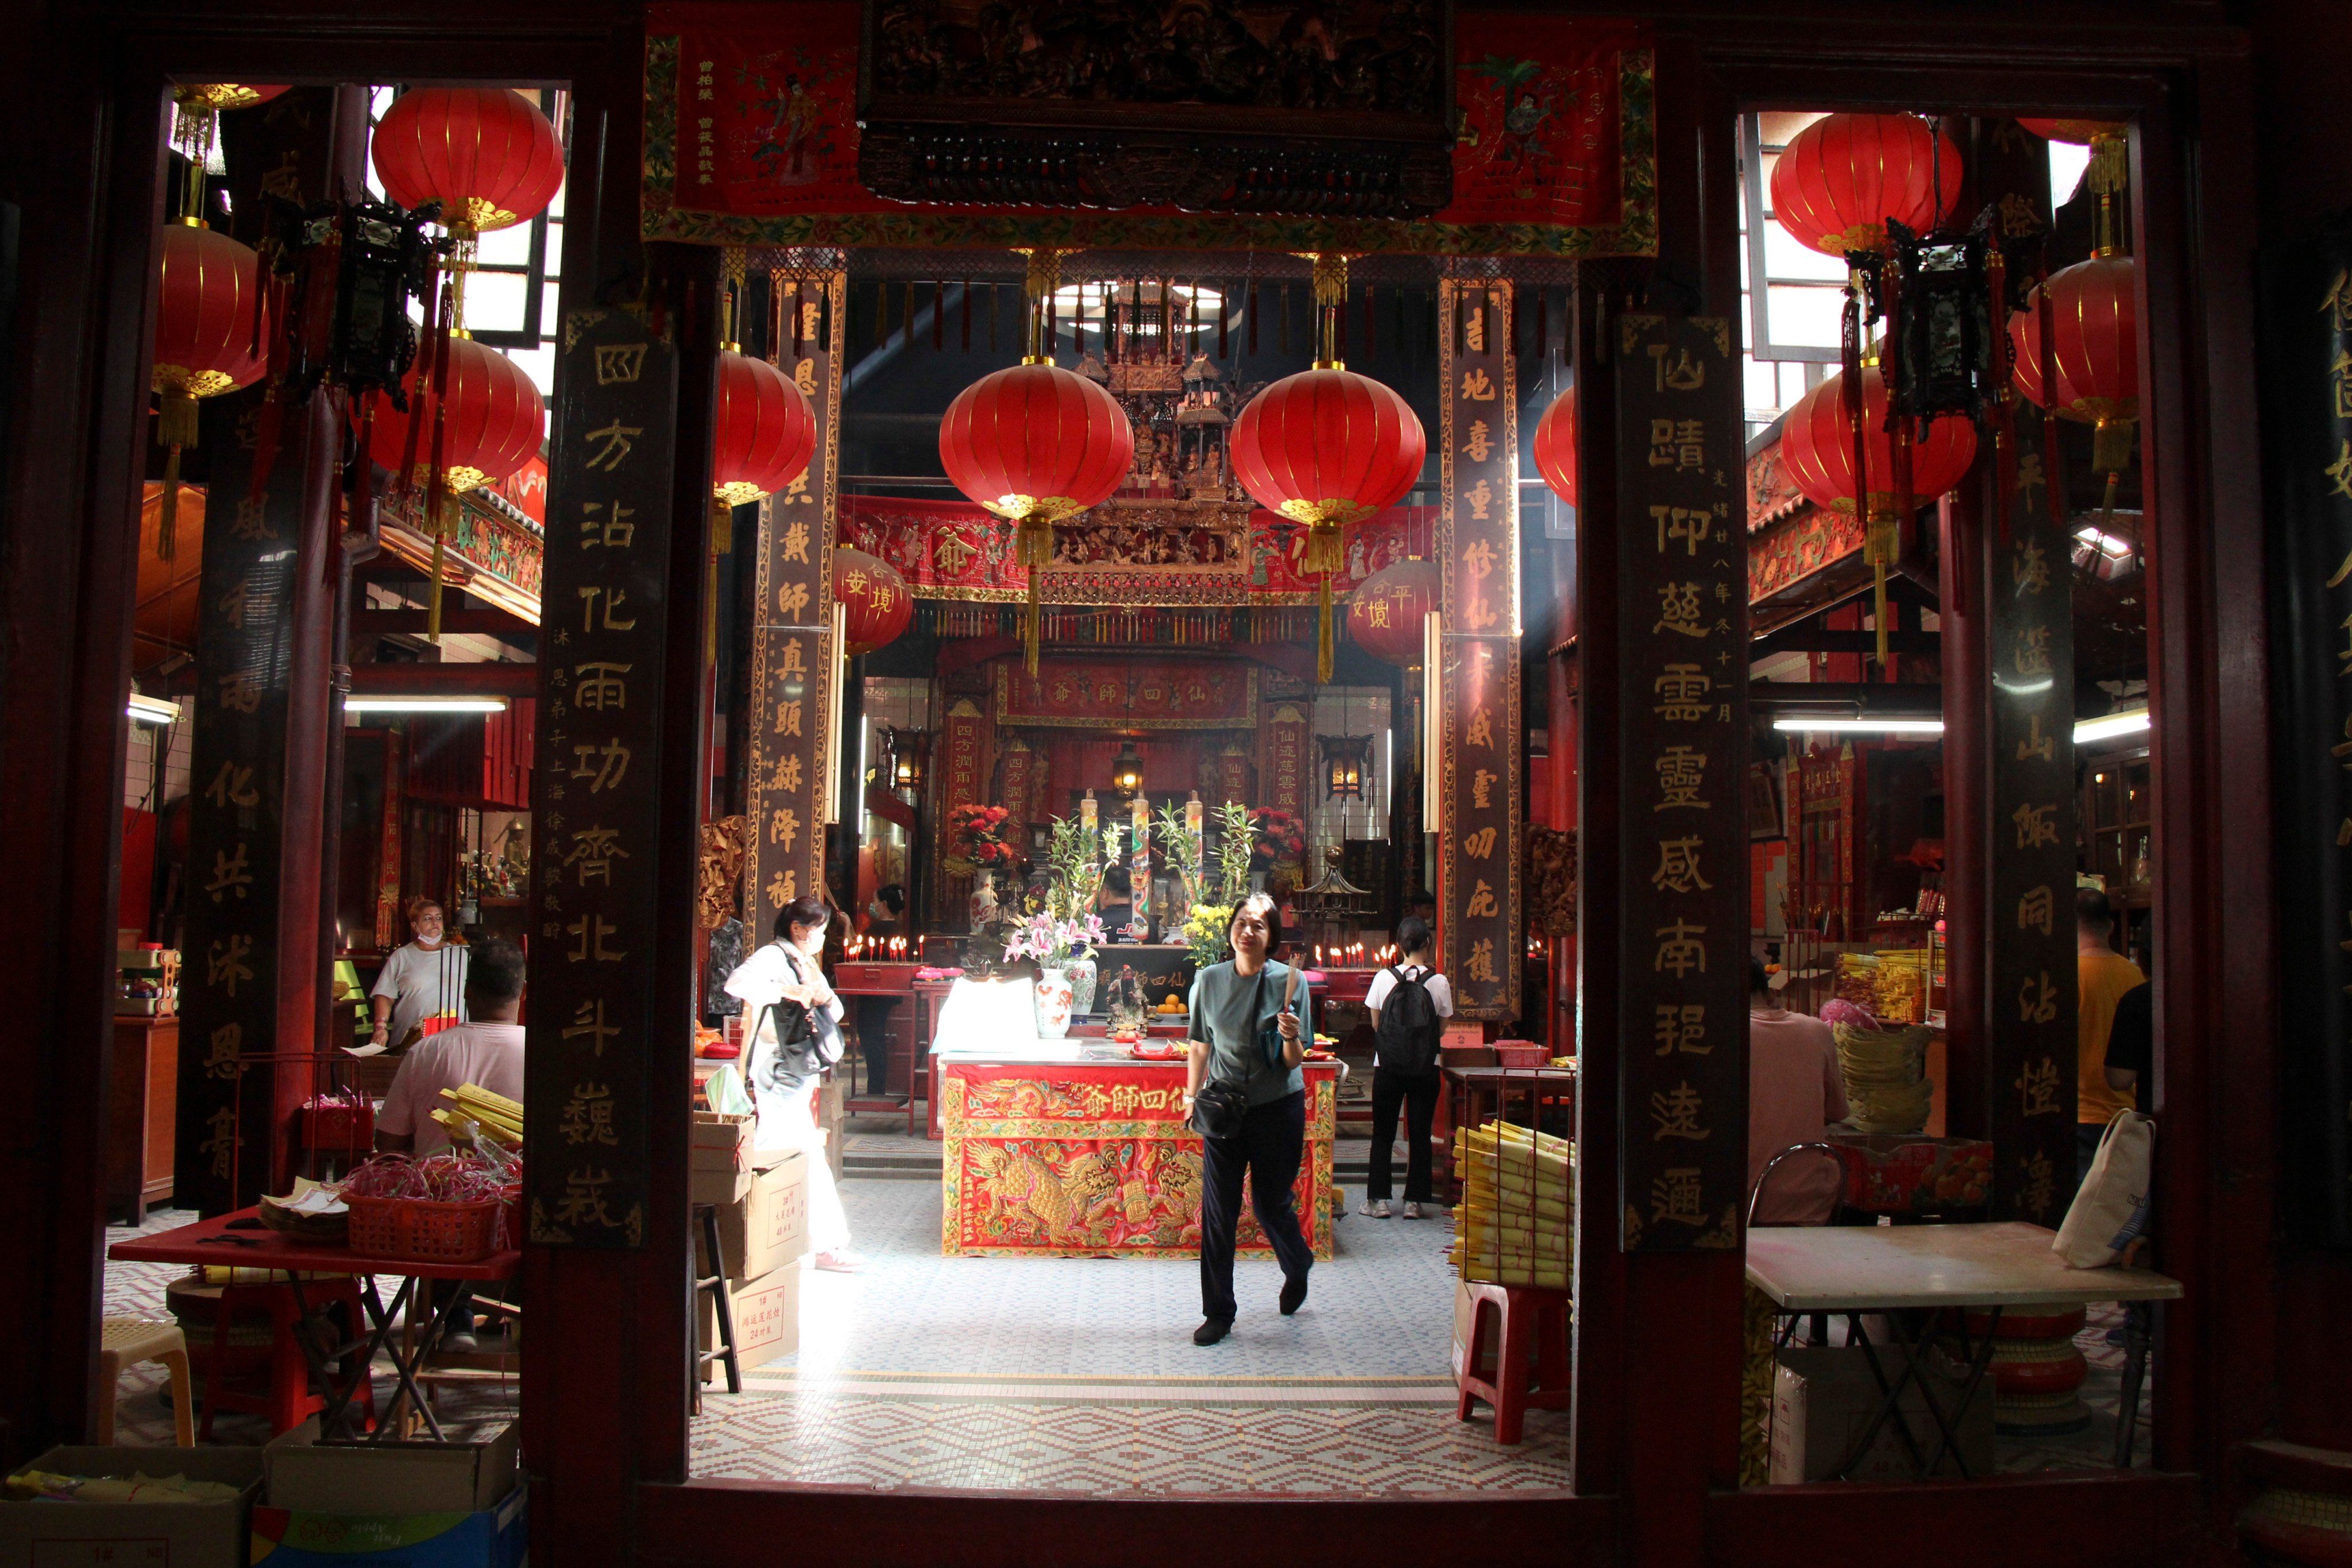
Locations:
{"points": [[1885, 1071], [419, 1231]]}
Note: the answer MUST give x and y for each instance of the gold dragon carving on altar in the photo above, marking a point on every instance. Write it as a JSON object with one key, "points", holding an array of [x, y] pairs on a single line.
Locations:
{"points": [[1079, 1199]]}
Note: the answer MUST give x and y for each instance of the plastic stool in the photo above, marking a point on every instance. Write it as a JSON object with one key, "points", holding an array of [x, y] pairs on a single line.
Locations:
{"points": [[1502, 1317], [127, 1341], [289, 1400]]}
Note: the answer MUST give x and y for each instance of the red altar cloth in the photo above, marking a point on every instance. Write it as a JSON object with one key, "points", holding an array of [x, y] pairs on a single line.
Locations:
{"points": [[1094, 1160]]}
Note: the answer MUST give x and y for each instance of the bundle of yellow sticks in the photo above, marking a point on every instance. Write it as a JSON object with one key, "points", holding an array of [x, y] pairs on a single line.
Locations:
{"points": [[478, 1110], [1516, 1222]]}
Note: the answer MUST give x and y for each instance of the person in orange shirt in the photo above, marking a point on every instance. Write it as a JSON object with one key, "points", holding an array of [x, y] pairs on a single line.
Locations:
{"points": [[2103, 975]]}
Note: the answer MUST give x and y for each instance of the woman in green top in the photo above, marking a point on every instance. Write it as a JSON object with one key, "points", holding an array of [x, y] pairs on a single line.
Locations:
{"points": [[1233, 1004]]}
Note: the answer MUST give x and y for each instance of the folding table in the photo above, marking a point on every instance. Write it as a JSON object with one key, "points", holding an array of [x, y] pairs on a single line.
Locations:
{"points": [[1923, 1270]]}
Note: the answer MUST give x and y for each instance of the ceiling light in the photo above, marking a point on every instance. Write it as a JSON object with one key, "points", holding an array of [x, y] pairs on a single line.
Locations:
{"points": [[1864, 726], [424, 704], [153, 711], [2113, 724], [2107, 542]]}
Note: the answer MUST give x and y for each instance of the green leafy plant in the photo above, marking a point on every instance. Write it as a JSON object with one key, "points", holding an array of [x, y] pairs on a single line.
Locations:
{"points": [[1233, 852], [1077, 857], [1183, 855]]}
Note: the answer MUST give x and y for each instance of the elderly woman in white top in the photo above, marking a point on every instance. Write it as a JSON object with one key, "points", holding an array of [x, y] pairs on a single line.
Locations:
{"points": [[796, 1034]]}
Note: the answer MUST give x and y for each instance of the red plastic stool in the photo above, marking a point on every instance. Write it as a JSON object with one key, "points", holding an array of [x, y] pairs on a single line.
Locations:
{"points": [[1509, 1314], [289, 1400]]}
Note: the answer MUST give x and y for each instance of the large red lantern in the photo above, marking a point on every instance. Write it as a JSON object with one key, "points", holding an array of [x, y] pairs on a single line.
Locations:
{"points": [[1556, 445], [1384, 613], [2093, 352], [1841, 177], [208, 298], [1817, 443], [1034, 443], [876, 603], [766, 431], [486, 154], [491, 420], [1328, 447]]}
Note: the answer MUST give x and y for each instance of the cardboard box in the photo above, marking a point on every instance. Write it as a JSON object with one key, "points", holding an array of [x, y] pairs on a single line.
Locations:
{"points": [[717, 1186], [1823, 1398], [132, 1534], [722, 1141], [297, 1538], [767, 1228], [767, 1316], [379, 1478]]}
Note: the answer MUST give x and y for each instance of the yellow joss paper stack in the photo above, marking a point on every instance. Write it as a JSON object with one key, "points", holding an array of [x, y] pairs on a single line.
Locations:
{"points": [[1516, 1223], [476, 1107]]}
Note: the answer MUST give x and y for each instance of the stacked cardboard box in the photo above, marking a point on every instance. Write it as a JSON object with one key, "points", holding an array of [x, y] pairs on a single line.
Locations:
{"points": [[180, 1534], [762, 1196], [455, 1505]]}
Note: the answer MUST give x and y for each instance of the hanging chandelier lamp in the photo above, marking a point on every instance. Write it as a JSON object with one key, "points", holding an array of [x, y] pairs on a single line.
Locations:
{"points": [[1035, 443], [491, 160], [1841, 177], [874, 597], [1384, 613], [1556, 445], [1328, 447], [1825, 433]]}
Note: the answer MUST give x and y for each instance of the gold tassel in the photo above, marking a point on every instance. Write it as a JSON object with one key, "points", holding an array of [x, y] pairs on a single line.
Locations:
{"points": [[1323, 635], [1879, 545], [1034, 546], [167, 526], [438, 501], [2111, 453], [722, 540]]}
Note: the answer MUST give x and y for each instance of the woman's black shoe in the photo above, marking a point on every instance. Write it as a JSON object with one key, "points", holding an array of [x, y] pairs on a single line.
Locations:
{"points": [[1294, 1296], [1210, 1332]]}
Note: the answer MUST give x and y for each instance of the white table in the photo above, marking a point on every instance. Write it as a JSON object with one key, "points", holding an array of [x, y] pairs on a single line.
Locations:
{"points": [[1922, 1268]]}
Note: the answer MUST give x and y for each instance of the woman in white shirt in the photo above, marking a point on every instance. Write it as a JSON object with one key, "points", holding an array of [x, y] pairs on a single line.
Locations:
{"points": [[784, 1075], [1405, 1065], [423, 987]]}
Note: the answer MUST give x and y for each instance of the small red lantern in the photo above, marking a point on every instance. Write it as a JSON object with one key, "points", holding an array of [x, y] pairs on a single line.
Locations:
{"points": [[766, 431], [2095, 350], [1817, 443], [486, 154], [1841, 177], [1034, 443], [207, 295], [1384, 613], [875, 596], [1556, 445]]}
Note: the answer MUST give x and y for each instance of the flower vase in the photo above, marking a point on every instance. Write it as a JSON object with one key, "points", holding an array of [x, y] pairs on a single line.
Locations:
{"points": [[1053, 1000], [1081, 971]]}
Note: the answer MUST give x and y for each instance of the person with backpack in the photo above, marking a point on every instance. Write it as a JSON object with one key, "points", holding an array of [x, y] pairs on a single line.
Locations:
{"points": [[1409, 1002], [795, 1037]]}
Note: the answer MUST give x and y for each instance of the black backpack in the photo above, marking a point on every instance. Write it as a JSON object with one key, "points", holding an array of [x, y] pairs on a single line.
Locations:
{"points": [[1410, 1030]]}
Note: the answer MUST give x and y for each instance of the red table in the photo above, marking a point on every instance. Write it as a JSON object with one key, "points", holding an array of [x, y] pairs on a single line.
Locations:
{"points": [[221, 1241]]}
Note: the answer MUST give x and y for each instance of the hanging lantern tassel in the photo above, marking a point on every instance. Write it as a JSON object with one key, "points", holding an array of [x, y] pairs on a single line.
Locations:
{"points": [[1033, 546], [175, 429], [2111, 453], [722, 541], [1323, 557], [438, 501]]}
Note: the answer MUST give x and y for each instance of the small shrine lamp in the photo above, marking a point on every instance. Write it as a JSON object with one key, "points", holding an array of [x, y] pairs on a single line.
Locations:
{"points": [[489, 158], [1328, 447], [1127, 770], [1035, 443]]}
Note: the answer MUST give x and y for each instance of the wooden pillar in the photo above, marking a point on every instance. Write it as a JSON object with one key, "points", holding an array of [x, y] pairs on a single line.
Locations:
{"points": [[794, 662], [1963, 522], [1479, 770]]}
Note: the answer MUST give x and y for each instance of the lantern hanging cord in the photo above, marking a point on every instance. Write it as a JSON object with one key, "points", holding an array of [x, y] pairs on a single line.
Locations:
{"points": [[1330, 299], [1037, 286], [732, 265]]}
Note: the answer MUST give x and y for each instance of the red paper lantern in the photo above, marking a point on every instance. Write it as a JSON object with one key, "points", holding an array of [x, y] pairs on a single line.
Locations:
{"points": [[207, 295], [1384, 614], [493, 427], [486, 154], [2095, 348], [766, 433], [875, 597], [1841, 177], [1556, 445], [1817, 442], [1328, 447], [1035, 443]]}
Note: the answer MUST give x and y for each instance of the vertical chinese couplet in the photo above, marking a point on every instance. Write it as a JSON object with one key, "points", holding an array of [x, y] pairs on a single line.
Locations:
{"points": [[1478, 681], [2307, 414], [794, 662], [2030, 962], [597, 796], [228, 979], [1682, 765]]}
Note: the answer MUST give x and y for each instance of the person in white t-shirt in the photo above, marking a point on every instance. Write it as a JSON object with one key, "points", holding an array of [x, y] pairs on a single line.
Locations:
{"points": [[487, 1052], [783, 1076], [423, 982], [1405, 1065]]}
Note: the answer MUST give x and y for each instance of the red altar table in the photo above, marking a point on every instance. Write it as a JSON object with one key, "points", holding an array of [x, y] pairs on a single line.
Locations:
{"points": [[1064, 1158]]}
